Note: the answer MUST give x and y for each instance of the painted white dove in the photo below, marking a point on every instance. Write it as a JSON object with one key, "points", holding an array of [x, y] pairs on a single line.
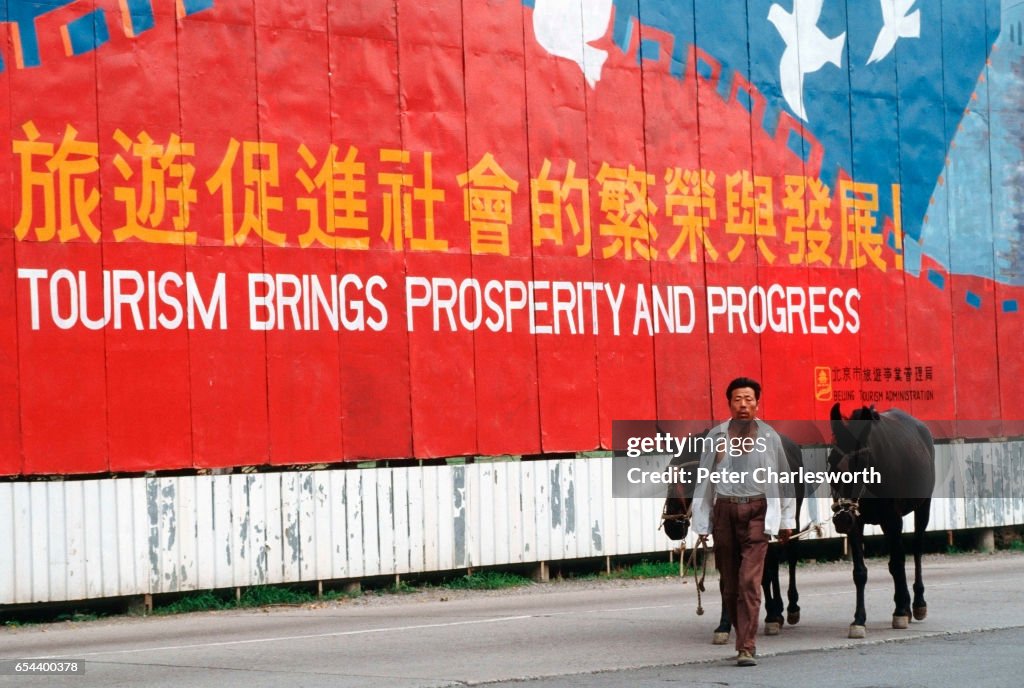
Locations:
{"points": [[565, 28], [896, 24], [808, 49]]}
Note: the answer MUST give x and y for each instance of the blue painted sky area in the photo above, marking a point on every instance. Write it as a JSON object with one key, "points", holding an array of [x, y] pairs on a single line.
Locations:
{"points": [[893, 120], [978, 213], [87, 32], [877, 119], [24, 14]]}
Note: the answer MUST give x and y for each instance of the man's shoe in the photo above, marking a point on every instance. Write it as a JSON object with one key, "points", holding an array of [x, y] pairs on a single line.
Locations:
{"points": [[745, 658]]}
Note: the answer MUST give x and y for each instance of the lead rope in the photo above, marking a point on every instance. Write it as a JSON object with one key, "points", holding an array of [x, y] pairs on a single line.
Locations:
{"points": [[702, 543], [814, 528]]}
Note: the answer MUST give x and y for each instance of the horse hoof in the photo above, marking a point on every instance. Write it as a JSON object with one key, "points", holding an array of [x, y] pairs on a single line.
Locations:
{"points": [[857, 632], [719, 638], [793, 618], [920, 613], [901, 622], [771, 628]]}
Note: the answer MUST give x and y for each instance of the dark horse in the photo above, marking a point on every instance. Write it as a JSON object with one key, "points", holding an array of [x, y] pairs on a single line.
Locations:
{"points": [[676, 519], [900, 448]]}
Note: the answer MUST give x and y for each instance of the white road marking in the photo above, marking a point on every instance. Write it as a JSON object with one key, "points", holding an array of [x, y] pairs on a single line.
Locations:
{"points": [[365, 631]]}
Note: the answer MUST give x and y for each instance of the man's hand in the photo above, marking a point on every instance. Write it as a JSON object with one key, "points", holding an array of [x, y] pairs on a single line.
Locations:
{"points": [[784, 535]]}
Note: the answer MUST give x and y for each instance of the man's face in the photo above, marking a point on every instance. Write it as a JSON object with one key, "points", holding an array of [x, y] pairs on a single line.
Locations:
{"points": [[743, 404]]}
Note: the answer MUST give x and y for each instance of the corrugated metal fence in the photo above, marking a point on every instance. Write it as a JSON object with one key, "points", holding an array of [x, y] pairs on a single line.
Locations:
{"points": [[81, 539]]}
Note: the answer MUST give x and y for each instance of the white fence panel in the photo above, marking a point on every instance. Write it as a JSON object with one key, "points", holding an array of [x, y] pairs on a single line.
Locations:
{"points": [[78, 539], [7, 541]]}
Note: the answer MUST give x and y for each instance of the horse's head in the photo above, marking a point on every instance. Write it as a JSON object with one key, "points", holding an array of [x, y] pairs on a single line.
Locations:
{"points": [[850, 453], [678, 498], [676, 513], [850, 437], [679, 495]]}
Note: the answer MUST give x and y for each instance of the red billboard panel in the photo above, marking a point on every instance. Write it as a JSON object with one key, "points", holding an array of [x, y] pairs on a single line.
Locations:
{"points": [[303, 233]]}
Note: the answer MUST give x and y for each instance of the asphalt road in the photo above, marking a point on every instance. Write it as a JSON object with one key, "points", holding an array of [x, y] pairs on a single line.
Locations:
{"points": [[979, 659], [564, 634]]}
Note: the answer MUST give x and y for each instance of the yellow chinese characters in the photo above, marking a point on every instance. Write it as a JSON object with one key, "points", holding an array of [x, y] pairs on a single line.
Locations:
{"points": [[861, 240], [65, 177], [163, 178], [337, 215], [749, 212], [690, 204], [551, 199], [399, 226], [332, 202], [488, 206], [260, 174], [808, 226], [628, 211]]}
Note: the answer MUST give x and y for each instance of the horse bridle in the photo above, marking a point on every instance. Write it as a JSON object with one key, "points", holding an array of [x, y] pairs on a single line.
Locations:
{"points": [[846, 507], [683, 518]]}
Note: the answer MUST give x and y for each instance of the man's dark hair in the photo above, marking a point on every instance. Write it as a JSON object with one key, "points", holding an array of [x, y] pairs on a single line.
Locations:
{"points": [[744, 382]]}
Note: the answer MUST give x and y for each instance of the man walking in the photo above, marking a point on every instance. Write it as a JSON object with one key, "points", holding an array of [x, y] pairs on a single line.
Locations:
{"points": [[742, 507]]}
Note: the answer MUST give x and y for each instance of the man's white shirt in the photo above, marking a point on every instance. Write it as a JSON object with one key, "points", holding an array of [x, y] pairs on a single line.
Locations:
{"points": [[781, 510]]}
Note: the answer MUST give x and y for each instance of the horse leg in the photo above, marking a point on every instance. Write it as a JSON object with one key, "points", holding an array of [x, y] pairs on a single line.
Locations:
{"points": [[721, 634], [860, 578], [793, 609], [772, 595], [921, 515], [893, 529]]}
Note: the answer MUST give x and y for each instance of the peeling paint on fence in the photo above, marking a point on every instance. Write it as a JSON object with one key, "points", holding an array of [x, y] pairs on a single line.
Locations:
{"points": [[87, 539], [555, 495], [459, 516]]}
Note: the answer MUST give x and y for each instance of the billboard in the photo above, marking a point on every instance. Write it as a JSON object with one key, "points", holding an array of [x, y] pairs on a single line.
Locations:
{"points": [[290, 233]]}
